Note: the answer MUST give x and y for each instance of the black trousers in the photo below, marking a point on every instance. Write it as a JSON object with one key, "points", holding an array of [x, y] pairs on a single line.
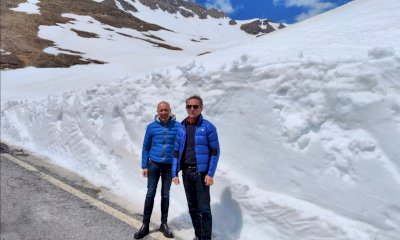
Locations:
{"points": [[198, 199], [155, 171]]}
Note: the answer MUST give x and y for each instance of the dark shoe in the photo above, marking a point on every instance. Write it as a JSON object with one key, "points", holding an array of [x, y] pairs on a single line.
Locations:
{"points": [[165, 230], [143, 231]]}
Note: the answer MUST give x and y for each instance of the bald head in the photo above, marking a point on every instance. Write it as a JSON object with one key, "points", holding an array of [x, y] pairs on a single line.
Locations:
{"points": [[163, 103], [163, 111]]}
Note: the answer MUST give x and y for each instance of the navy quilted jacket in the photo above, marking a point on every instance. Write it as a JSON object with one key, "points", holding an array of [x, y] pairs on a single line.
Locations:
{"points": [[206, 147], [159, 141]]}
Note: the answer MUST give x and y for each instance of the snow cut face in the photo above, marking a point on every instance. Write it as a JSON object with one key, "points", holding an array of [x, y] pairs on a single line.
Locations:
{"points": [[324, 139]]}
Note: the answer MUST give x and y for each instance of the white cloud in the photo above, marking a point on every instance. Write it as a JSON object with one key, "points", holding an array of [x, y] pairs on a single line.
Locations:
{"points": [[314, 7], [224, 5]]}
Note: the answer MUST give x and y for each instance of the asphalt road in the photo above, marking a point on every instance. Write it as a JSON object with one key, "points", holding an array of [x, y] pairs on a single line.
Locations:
{"points": [[34, 208]]}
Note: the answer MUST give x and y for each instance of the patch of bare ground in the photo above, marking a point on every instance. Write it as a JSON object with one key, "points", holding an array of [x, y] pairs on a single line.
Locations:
{"points": [[19, 31], [163, 45], [85, 34], [152, 36], [67, 50], [204, 53]]}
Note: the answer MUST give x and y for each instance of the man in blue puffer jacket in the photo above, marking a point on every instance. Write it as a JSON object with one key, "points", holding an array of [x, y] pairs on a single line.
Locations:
{"points": [[156, 162], [196, 153]]}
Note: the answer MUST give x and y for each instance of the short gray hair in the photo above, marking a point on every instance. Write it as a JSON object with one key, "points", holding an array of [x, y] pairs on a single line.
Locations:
{"points": [[198, 98]]}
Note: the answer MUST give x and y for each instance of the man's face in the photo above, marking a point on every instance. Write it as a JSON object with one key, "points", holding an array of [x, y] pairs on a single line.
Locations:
{"points": [[163, 111], [193, 108]]}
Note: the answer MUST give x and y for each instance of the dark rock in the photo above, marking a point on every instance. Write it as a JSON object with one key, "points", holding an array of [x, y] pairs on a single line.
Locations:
{"points": [[214, 13], [186, 13], [266, 21], [127, 6], [232, 22], [174, 6], [252, 27], [257, 27], [4, 148], [85, 34], [268, 29], [204, 53]]}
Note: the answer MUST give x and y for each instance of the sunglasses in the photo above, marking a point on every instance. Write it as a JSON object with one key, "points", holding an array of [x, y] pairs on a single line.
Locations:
{"points": [[192, 106]]}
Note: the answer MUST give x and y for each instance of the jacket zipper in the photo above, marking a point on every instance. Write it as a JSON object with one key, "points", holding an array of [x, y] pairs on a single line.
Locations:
{"points": [[164, 141]]}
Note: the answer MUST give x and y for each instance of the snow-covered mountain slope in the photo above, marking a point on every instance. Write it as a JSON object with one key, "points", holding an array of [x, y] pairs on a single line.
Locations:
{"points": [[308, 119], [125, 51]]}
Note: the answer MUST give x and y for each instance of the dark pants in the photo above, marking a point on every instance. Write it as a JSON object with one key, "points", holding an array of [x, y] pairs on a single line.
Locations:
{"points": [[198, 198], [155, 171]]}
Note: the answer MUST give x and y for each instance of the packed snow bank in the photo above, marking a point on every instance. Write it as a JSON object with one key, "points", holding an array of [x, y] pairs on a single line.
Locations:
{"points": [[318, 142]]}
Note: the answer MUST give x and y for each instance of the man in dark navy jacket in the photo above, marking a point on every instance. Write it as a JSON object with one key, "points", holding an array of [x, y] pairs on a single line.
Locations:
{"points": [[157, 150], [196, 153]]}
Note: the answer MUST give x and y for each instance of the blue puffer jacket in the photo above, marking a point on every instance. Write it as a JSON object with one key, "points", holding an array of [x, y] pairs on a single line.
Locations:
{"points": [[159, 141], [206, 147]]}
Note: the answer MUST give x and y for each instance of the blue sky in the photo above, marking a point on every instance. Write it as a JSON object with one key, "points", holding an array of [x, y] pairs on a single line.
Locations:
{"points": [[288, 11]]}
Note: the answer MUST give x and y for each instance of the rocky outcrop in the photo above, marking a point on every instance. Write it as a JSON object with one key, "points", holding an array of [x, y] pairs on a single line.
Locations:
{"points": [[252, 27], [259, 27], [187, 9], [215, 13], [268, 28], [127, 6], [232, 22]]}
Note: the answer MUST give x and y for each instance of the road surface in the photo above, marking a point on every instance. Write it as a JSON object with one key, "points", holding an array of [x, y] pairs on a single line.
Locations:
{"points": [[35, 205]]}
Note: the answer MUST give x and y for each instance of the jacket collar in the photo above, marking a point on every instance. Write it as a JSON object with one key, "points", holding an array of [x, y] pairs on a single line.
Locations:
{"points": [[171, 118], [199, 120]]}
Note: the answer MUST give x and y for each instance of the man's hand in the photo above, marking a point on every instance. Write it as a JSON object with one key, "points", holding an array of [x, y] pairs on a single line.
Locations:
{"points": [[175, 180], [144, 172], [208, 180]]}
